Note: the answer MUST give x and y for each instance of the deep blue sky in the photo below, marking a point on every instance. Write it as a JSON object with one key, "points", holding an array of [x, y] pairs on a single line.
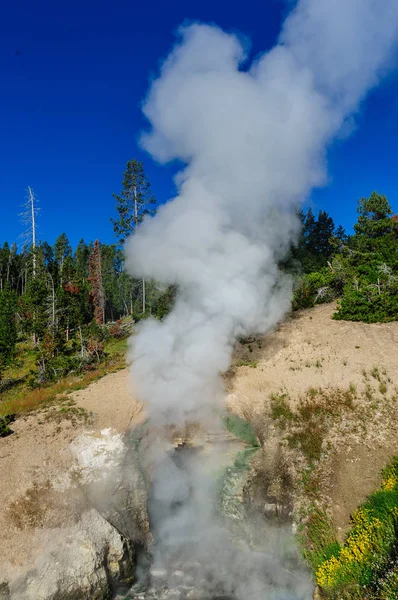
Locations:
{"points": [[73, 76]]}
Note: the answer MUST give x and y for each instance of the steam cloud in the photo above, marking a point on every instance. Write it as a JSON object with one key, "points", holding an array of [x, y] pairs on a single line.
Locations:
{"points": [[252, 138]]}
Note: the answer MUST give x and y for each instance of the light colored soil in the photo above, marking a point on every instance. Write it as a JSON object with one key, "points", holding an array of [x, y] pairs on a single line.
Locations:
{"points": [[38, 453], [355, 475], [110, 401], [312, 350]]}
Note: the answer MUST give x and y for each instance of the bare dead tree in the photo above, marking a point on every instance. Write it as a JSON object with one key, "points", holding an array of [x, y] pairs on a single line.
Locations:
{"points": [[97, 288], [29, 218]]}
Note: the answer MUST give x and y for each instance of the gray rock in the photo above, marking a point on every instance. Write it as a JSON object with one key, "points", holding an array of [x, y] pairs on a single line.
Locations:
{"points": [[81, 561], [119, 493]]}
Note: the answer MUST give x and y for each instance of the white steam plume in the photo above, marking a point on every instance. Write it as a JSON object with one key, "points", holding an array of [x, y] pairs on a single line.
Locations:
{"points": [[253, 139]]}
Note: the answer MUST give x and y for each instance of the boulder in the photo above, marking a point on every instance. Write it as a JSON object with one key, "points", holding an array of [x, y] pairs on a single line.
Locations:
{"points": [[81, 530], [85, 560]]}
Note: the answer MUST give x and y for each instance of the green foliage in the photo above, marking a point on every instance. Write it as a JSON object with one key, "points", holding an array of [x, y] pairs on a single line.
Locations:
{"points": [[33, 303], [164, 303], [280, 409], [4, 425], [62, 252], [247, 363], [364, 304], [319, 543], [374, 216], [8, 328], [314, 246], [362, 270], [371, 292], [314, 288], [371, 542], [306, 425], [133, 202]]}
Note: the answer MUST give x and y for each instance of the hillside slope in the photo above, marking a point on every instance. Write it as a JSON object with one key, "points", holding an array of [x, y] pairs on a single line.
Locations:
{"points": [[307, 350]]}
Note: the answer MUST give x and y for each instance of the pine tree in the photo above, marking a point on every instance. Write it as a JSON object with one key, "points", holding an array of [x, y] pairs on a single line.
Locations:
{"points": [[340, 234], [97, 288], [374, 216], [111, 268], [29, 218], [309, 229], [133, 204], [4, 264], [62, 251], [134, 201], [34, 298], [322, 234], [8, 328], [82, 259]]}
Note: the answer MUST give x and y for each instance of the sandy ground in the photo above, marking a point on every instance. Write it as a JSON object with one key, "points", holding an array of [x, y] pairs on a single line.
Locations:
{"points": [[312, 350], [110, 401], [308, 350]]}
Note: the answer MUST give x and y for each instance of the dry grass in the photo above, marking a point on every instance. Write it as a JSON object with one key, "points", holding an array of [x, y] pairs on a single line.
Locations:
{"points": [[21, 399], [313, 430], [29, 511]]}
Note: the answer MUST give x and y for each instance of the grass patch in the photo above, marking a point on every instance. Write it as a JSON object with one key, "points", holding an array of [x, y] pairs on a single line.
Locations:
{"points": [[280, 409], [20, 399], [317, 540], [364, 567], [306, 426], [23, 362], [247, 363], [362, 560]]}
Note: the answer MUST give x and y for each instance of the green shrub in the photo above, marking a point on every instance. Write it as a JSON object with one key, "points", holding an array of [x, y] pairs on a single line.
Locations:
{"points": [[8, 328], [4, 425], [360, 563], [364, 304], [141, 316], [280, 409], [319, 543], [247, 363], [314, 288]]}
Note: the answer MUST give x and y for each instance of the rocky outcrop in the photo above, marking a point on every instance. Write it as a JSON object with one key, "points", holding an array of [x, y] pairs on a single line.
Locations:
{"points": [[84, 527], [85, 560], [111, 476]]}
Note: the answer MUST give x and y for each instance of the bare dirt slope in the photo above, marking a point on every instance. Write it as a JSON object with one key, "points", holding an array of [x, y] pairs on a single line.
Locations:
{"points": [[110, 401], [312, 350]]}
